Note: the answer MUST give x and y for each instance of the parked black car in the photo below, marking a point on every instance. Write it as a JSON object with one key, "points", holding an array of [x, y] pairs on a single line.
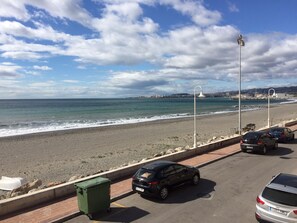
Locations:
{"points": [[258, 141], [282, 134], [159, 177]]}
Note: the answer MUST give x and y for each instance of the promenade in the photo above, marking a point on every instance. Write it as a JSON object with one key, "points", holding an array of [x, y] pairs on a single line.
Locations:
{"points": [[67, 208]]}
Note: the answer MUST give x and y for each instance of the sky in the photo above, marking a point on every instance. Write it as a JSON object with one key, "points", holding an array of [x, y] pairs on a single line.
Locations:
{"points": [[117, 48]]}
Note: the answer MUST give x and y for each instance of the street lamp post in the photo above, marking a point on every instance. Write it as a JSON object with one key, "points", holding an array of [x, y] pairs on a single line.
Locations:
{"points": [[268, 119], [195, 129], [241, 43]]}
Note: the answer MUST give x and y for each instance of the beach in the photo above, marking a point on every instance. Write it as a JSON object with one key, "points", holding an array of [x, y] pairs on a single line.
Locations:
{"points": [[59, 155]]}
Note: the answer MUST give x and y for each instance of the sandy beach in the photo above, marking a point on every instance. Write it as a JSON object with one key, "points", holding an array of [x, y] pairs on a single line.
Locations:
{"points": [[57, 156]]}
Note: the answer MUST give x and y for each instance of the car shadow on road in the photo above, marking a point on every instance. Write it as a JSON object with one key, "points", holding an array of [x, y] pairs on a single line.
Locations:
{"points": [[294, 141], [280, 151], [116, 214], [204, 190]]}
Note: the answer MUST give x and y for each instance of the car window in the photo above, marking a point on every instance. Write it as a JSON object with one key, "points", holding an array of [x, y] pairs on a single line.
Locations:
{"points": [[168, 171], [146, 174], [179, 168], [276, 130], [280, 197], [251, 136]]}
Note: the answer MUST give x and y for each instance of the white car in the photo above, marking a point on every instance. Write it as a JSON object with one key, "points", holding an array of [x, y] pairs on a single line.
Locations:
{"points": [[278, 201]]}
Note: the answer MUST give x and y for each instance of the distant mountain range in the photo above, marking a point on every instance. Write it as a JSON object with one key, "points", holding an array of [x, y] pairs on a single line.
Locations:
{"points": [[284, 90]]}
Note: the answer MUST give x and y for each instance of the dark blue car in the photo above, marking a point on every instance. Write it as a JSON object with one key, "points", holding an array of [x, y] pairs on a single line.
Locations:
{"points": [[282, 134]]}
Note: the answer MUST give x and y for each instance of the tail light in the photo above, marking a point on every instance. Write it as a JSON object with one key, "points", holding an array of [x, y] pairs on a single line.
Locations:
{"points": [[295, 212], [259, 201], [241, 141], [153, 183], [260, 142]]}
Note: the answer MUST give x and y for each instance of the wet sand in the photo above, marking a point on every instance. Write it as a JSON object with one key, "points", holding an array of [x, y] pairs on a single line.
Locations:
{"points": [[57, 156]]}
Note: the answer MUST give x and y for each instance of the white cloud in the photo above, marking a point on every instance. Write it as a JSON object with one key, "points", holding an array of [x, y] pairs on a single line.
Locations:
{"points": [[232, 7], [42, 84], [14, 9], [199, 14], [122, 35], [36, 67], [17, 29], [9, 70], [71, 81]]}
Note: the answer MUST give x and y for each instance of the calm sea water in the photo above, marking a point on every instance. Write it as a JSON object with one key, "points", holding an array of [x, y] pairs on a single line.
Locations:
{"points": [[19, 117]]}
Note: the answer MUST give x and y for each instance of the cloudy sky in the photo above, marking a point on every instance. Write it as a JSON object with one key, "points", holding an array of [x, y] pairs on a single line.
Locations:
{"points": [[116, 48]]}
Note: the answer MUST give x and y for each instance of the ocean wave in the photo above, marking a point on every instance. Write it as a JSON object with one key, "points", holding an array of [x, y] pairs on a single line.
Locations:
{"points": [[289, 101], [35, 127], [24, 128]]}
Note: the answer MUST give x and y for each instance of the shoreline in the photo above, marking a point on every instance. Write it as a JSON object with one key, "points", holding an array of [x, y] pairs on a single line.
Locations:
{"points": [[126, 125], [139, 120], [59, 155]]}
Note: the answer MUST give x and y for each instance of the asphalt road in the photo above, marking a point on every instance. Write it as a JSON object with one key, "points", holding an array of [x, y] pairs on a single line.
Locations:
{"points": [[227, 192]]}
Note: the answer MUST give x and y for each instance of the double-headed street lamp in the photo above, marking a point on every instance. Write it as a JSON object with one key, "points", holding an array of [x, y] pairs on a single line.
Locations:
{"points": [[241, 43], [195, 130], [273, 95]]}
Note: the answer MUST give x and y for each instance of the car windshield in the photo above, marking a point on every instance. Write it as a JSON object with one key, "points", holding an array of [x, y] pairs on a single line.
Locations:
{"points": [[280, 197], [144, 173]]}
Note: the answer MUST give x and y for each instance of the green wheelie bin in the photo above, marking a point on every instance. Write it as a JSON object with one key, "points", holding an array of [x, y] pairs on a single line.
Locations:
{"points": [[93, 195]]}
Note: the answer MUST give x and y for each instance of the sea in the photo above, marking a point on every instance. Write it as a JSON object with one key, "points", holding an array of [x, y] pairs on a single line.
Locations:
{"points": [[26, 116]]}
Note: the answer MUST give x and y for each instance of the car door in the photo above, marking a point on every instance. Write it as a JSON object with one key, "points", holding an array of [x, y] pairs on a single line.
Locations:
{"points": [[270, 140], [182, 173], [169, 174], [289, 133]]}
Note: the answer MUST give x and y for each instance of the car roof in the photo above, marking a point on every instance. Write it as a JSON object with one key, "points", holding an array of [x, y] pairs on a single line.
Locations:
{"points": [[284, 182], [157, 165], [277, 128], [255, 133]]}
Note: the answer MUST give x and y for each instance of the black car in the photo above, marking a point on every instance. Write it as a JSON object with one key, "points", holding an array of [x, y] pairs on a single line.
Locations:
{"points": [[158, 177], [282, 134], [258, 141]]}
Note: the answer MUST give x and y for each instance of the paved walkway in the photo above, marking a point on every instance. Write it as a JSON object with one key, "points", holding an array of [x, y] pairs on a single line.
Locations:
{"points": [[68, 207]]}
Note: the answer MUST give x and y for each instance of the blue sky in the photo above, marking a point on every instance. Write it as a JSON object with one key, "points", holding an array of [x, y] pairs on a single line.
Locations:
{"points": [[115, 48]]}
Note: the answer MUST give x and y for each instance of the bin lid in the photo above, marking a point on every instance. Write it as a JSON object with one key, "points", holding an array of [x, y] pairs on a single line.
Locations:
{"points": [[92, 182]]}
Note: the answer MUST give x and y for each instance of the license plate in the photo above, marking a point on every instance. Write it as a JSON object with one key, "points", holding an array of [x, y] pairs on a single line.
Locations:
{"points": [[139, 189], [278, 211], [249, 147]]}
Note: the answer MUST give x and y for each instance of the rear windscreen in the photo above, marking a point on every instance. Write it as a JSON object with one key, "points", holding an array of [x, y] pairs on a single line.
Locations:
{"points": [[280, 197], [251, 136], [144, 173]]}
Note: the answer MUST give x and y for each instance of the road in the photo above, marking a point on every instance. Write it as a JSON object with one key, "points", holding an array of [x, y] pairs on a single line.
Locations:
{"points": [[227, 192]]}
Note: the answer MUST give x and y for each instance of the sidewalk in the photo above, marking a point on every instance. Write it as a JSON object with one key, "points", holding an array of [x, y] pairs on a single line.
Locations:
{"points": [[67, 208]]}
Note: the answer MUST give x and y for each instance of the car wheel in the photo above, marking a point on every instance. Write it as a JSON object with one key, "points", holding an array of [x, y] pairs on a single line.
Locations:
{"points": [[196, 179], [264, 150], [164, 193]]}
